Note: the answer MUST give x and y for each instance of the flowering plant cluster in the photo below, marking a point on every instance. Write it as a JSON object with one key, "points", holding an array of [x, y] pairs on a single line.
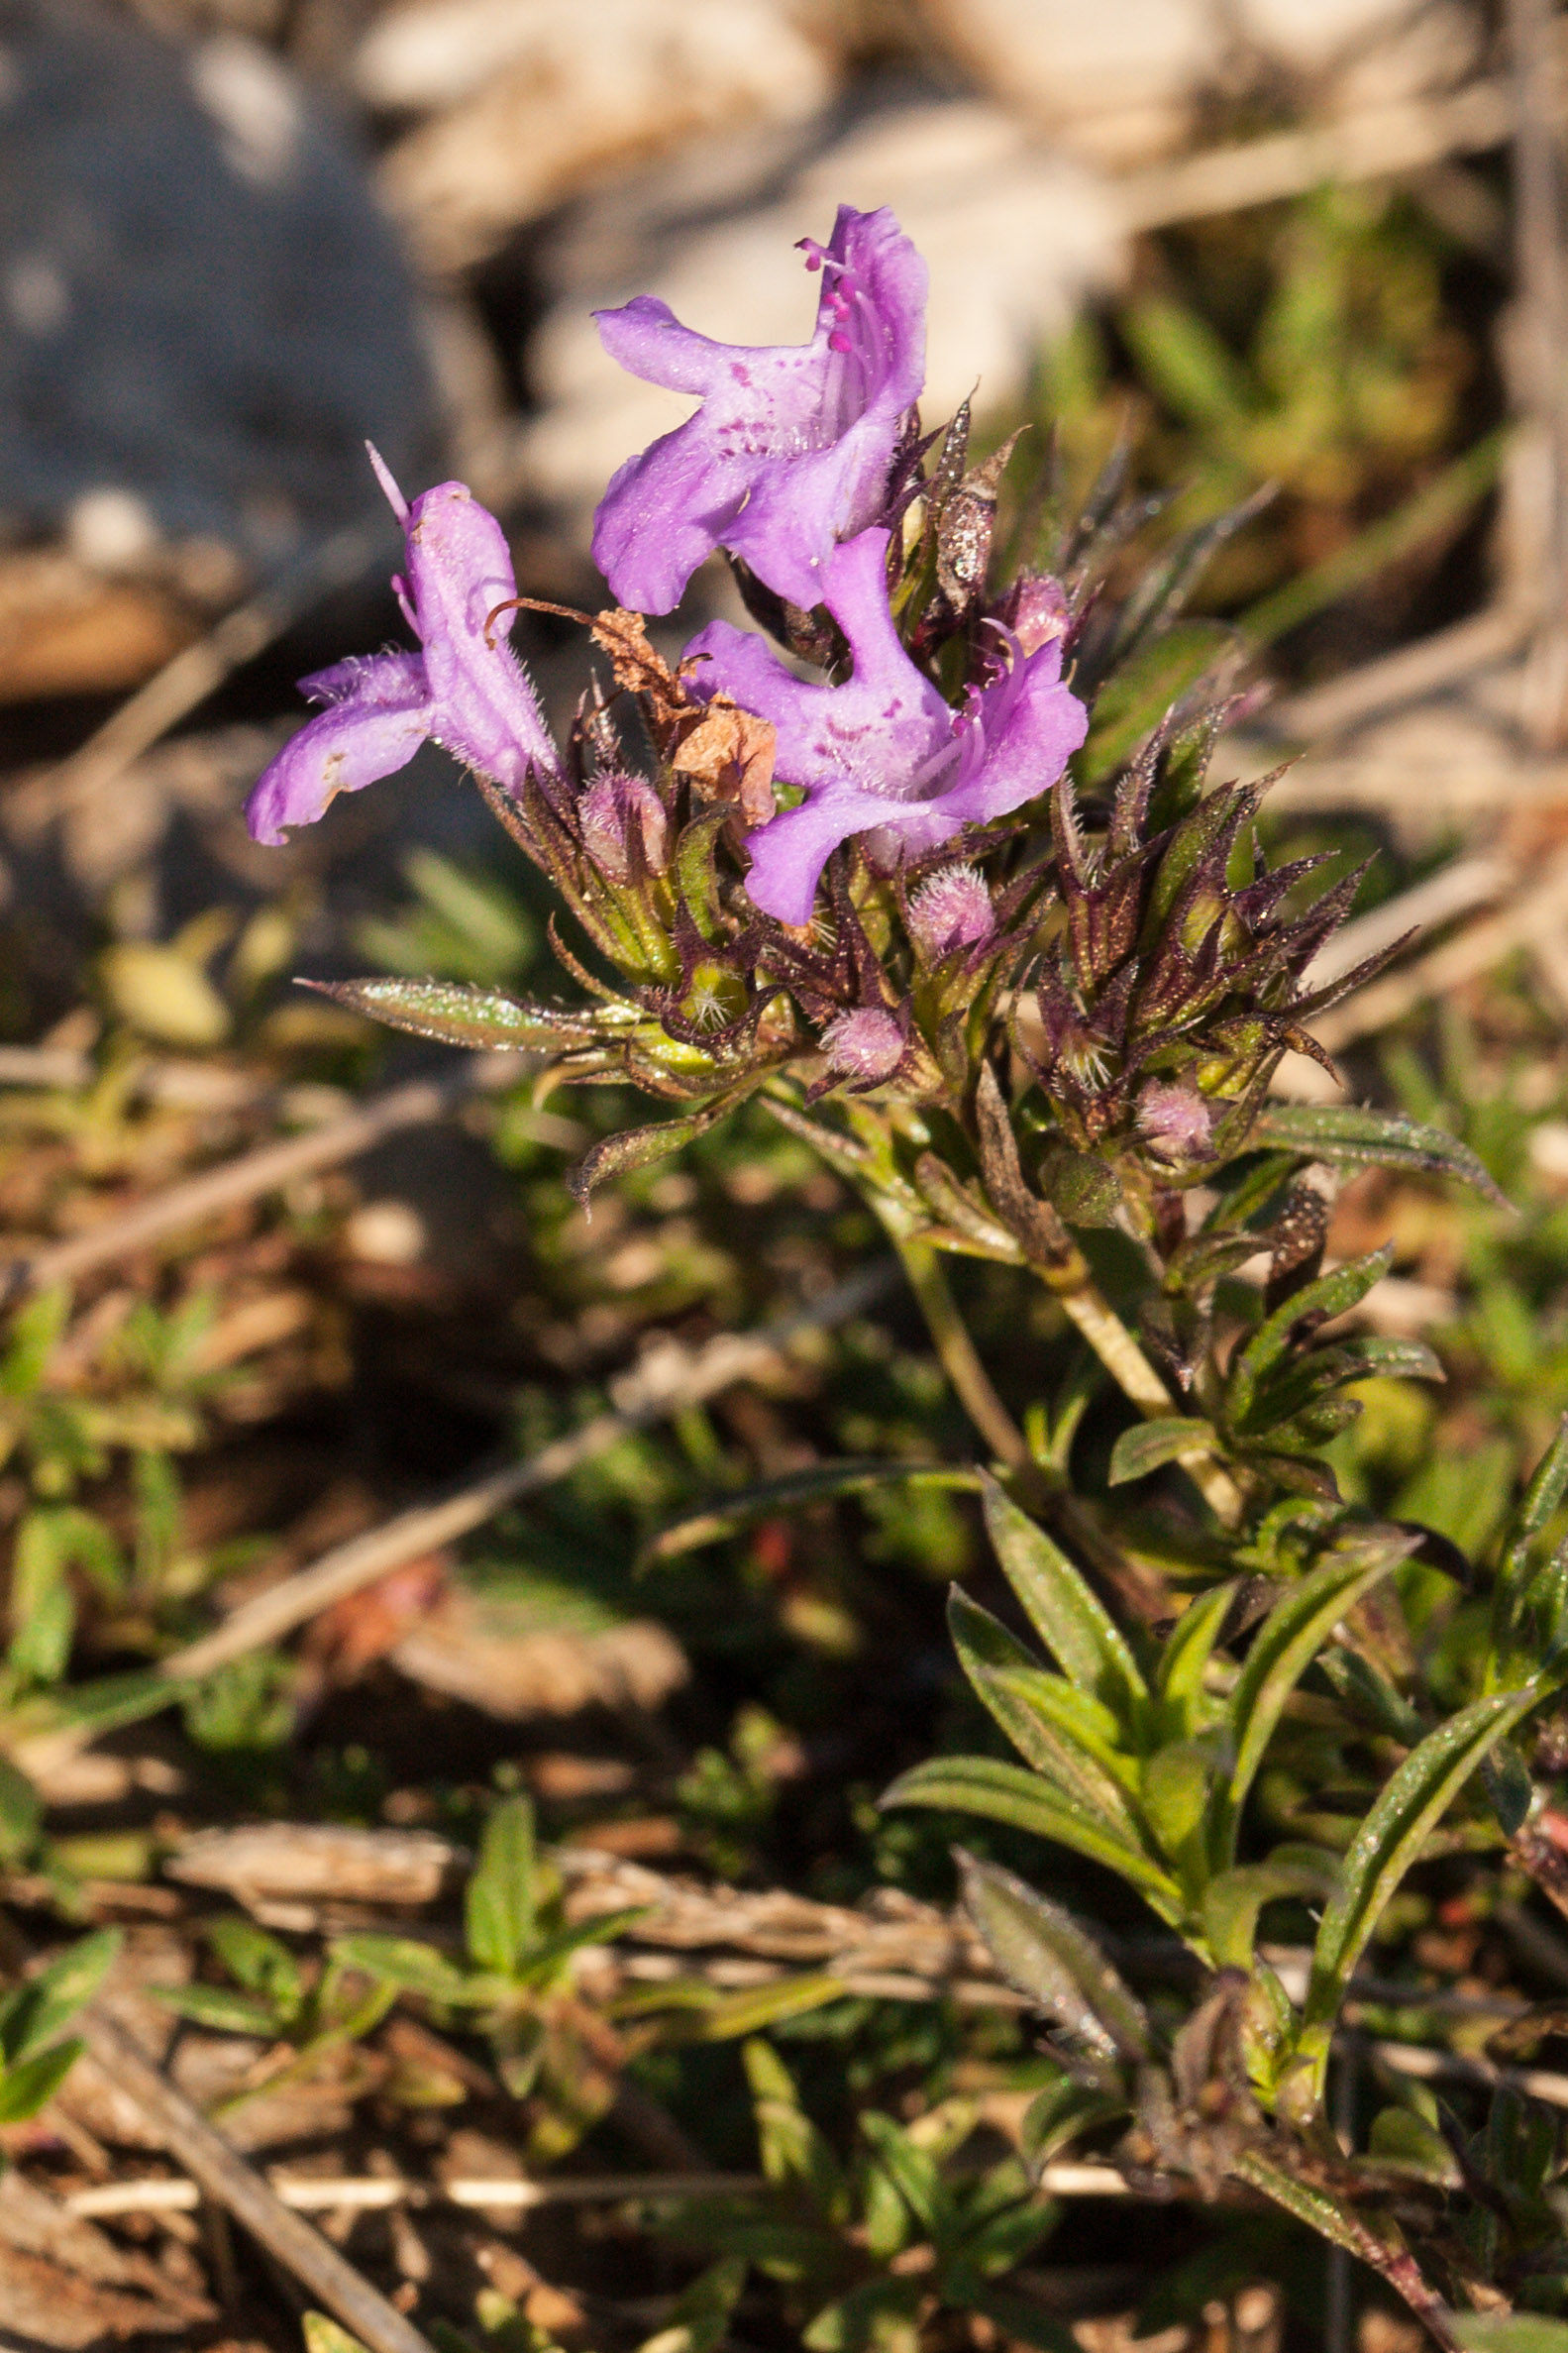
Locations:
{"points": [[929, 863]]}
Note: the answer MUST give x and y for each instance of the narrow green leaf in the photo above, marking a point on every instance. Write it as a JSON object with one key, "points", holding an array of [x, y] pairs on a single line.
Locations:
{"points": [[911, 2171], [33, 2083], [36, 1326], [37, 2011], [1316, 2207], [701, 2316], [260, 1962], [501, 1898], [1148, 1445], [403, 1962], [1406, 2142], [1350, 1137], [1006, 1793], [1189, 1647], [322, 2335], [1066, 1616], [1177, 1785], [537, 1966], [461, 1015], [43, 1612], [1330, 1295], [881, 2315], [221, 2008], [1061, 2112], [1407, 1809], [1283, 1648], [1233, 1901], [21, 1814], [639, 1148], [822, 1482], [735, 2014], [1020, 1694], [1041, 1950]]}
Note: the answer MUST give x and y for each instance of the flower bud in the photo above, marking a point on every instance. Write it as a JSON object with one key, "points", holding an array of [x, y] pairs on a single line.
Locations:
{"points": [[610, 807], [951, 909], [1174, 1125], [1035, 611], [865, 1045]]}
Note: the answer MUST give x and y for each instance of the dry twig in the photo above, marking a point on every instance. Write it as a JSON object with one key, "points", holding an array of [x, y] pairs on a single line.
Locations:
{"points": [[224, 2177], [365, 2192]]}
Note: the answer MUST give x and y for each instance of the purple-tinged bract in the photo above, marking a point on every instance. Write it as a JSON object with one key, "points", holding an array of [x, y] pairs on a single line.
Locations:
{"points": [[883, 756], [465, 689], [793, 445]]}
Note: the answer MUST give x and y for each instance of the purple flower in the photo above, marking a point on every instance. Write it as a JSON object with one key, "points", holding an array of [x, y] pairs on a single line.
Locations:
{"points": [[1035, 609], [791, 447], [467, 690], [883, 755]]}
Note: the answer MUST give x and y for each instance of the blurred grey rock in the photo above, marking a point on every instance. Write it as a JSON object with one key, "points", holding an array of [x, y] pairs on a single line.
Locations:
{"points": [[204, 314]]}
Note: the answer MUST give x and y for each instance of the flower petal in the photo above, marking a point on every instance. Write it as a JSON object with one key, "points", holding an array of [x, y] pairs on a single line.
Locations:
{"points": [[879, 731], [482, 707], [791, 447], [342, 750], [368, 678], [790, 853]]}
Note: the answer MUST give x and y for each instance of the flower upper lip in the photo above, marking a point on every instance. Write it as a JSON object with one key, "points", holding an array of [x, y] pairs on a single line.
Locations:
{"points": [[790, 449]]}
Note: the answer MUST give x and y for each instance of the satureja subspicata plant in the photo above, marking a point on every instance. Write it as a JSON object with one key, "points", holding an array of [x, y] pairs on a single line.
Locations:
{"points": [[962, 908]]}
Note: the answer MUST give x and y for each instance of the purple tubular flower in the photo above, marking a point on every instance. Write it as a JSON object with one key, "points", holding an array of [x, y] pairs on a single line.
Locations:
{"points": [[465, 690], [883, 755], [790, 449]]}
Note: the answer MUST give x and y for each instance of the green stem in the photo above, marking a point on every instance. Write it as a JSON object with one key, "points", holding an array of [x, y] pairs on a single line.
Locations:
{"points": [[956, 1351]]}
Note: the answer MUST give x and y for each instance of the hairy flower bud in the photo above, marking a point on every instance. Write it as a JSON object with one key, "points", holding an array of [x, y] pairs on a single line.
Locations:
{"points": [[951, 909], [1174, 1125], [611, 806], [865, 1046]]}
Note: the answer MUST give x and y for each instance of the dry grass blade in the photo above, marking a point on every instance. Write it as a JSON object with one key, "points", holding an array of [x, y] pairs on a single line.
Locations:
{"points": [[316, 2194], [667, 1383], [1533, 915], [1372, 144], [323, 2192], [225, 2178]]}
